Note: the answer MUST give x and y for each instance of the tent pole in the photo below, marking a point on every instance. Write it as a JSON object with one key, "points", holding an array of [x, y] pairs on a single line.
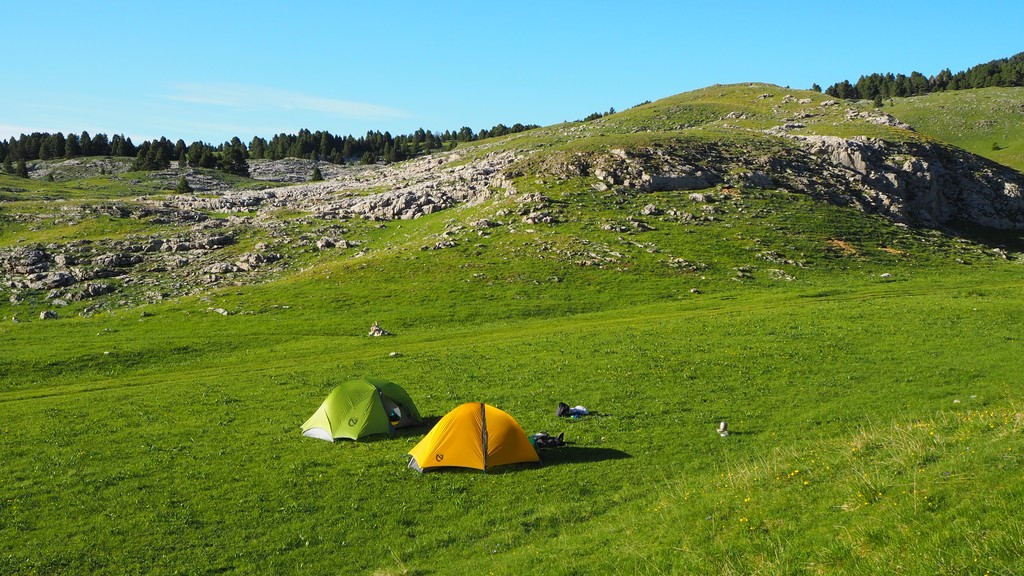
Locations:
{"points": [[483, 426], [380, 396]]}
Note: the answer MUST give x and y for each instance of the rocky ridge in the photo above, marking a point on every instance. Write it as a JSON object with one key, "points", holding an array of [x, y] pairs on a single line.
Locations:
{"points": [[911, 182], [199, 251], [918, 184]]}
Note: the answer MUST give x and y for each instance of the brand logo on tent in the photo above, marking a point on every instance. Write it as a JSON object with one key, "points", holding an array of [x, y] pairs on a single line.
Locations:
{"points": [[439, 457], [352, 421]]}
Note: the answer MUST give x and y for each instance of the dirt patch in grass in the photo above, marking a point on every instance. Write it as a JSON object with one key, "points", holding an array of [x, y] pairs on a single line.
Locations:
{"points": [[842, 246]]}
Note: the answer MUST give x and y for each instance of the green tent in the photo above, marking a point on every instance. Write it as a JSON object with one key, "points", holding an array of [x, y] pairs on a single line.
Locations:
{"points": [[360, 408]]}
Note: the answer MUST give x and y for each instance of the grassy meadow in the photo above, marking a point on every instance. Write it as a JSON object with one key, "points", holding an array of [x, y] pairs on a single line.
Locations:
{"points": [[869, 374], [988, 122]]}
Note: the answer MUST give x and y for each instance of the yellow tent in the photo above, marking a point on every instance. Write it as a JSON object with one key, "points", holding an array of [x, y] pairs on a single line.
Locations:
{"points": [[474, 435]]}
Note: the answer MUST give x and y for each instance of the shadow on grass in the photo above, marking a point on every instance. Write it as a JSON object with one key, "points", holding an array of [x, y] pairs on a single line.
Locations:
{"points": [[548, 456], [506, 469], [579, 455]]}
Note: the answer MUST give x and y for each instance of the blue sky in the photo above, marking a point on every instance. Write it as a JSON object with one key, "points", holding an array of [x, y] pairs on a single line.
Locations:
{"points": [[212, 70]]}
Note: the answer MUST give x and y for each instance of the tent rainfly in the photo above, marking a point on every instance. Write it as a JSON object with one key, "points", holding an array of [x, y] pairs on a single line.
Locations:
{"points": [[360, 408], [473, 435]]}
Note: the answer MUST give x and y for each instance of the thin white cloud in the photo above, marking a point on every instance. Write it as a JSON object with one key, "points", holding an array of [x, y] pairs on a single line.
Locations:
{"points": [[245, 97], [10, 130]]}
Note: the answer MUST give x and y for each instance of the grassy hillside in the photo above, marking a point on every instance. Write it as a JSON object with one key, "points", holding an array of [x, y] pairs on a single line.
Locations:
{"points": [[988, 121], [867, 370]]}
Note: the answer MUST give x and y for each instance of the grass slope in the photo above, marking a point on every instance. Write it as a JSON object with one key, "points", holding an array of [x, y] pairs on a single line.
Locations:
{"points": [[988, 122], [867, 372]]}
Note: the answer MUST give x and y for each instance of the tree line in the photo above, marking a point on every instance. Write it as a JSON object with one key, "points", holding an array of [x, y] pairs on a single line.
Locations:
{"points": [[1002, 72], [231, 156]]}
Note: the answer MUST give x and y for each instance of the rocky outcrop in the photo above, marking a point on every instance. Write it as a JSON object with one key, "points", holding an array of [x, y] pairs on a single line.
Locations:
{"points": [[916, 183], [922, 184], [25, 260], [382, 192], [659, 170]]}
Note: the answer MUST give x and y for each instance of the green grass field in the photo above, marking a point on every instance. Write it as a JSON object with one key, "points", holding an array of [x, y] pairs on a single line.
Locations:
{"points": [[869, 374], [864, 418]]}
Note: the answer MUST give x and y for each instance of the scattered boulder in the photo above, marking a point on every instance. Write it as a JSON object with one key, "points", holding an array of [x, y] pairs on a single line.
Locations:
{"points": [[120, 260], [90, 290], [24, 261], [539, 218], [253, 260], [698, 180], [221, 268], [483, 224], [756, 179], [50, 280]]}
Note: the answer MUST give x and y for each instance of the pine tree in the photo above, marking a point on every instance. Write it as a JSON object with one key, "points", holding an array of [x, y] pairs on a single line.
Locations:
{"points": [[117, 147], [207, 159], [57, 145], [158, 159], [183, 187], [324, 149], [316, 176], [22, 169], [85, 142], [141, 157], [71, 147], [194, 154], [233, 160], [257, 147], [237, 143], [100, 145]]}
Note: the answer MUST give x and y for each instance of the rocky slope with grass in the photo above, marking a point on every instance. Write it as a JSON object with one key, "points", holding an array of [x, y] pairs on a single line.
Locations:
{"points": [[710, 143]]}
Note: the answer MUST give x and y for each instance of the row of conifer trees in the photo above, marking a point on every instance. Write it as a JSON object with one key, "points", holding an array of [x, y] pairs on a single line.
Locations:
{"points": [[1003, 72], [158, 154]]}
